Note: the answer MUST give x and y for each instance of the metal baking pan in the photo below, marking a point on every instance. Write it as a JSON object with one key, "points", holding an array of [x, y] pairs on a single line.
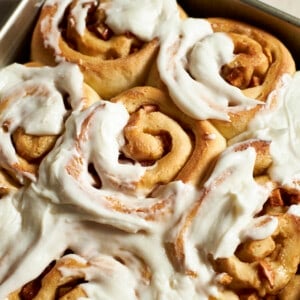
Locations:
{"points": [[17, 20], [18, 17]]}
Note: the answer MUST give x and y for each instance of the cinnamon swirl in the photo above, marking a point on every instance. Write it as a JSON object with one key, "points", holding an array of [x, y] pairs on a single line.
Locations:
{"points": [[73, 277], [222, 70], [257, 68], [214, 224], [265, 266], [34, 104], [134, 159], [77, 32]]}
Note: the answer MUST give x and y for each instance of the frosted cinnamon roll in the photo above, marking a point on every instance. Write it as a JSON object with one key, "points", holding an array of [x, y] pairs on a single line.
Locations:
{"points": [[264, 267], [151, 136], [34, 103], [100, 277], [77, 31], [119, 160], [259, 62], [221, 70], [278, 123], [228, 205]]}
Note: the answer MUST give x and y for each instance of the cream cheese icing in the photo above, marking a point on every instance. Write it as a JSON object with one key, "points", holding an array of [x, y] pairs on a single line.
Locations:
{"points": [[51, 24], [32, 98], [225, 206], [79, 14], [294, 210], [230, 188], [279, 123], [92, 138], [143, 18], [260, 228]]}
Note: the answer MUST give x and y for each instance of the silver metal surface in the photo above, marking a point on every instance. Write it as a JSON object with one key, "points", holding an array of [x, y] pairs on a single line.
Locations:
{"points": [[15, 33], [293, 19], [6, 9]]}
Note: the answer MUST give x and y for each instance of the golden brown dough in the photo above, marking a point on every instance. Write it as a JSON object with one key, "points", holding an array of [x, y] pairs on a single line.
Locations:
{"points": [[7, 184], [267, 268], [185, 151], [110, 63], [51, 284], [260, 61]]}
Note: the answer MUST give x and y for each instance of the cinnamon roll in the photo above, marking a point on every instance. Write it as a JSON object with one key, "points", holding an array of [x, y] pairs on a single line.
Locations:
{"points": [[221, 69], [215, 223], [267, 266], [148, 145], [77, 32], [148, 107], [185, 189], [259, 63], [74, 277], [253, 249], [278, 123], [34, 104]]}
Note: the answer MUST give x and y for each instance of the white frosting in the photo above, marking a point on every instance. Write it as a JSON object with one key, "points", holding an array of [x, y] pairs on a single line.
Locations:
{"points": [[33, 99], [190, 56], [224, 210], [10, 222], [261, 228], [141, 17], [192, 71], [29, 225], [50, 26], [79, 14], [280, 124], [104, 274], [294, 210]]}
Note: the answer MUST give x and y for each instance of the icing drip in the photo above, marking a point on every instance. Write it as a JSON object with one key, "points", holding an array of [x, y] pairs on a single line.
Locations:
{"points": [[33, 99], [279, 123]]}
